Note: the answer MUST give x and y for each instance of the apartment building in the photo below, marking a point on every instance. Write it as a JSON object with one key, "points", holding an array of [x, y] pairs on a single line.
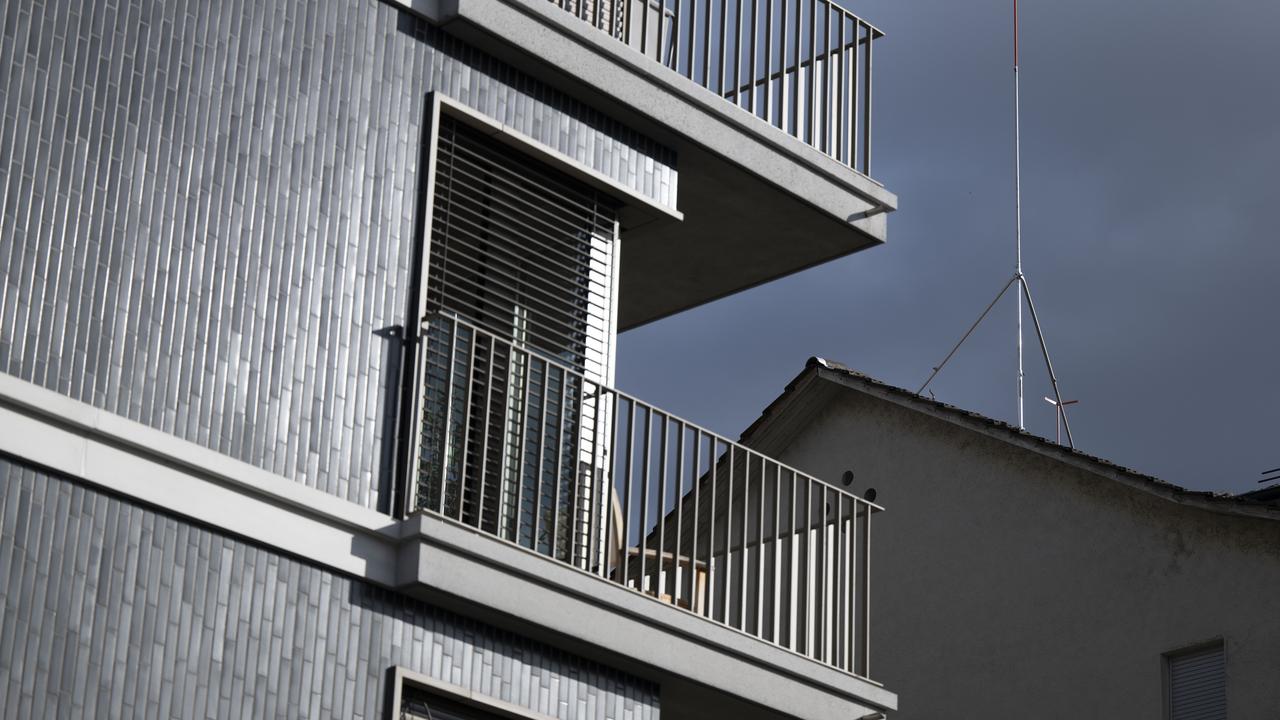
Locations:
{"points": [[307, 333]]}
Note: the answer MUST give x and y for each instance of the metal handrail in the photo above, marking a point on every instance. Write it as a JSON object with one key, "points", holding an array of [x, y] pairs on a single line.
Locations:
{"points": [[803, 66], [523, 446]]}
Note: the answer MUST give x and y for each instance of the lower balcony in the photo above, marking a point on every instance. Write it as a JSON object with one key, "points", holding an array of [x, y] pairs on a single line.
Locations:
{"points": [[620, 515]]}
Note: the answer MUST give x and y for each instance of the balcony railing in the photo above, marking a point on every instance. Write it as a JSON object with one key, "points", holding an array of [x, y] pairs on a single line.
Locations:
{"points": [[527, 449], [804, 66]]}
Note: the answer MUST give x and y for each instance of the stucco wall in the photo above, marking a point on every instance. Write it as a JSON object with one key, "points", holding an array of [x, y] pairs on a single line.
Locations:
{"points": [[108, 609], [1010, 585], [207, 211]]}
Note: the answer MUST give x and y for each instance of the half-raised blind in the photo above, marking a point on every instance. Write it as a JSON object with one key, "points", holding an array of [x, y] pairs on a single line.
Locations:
{"points": [[521, 249]]}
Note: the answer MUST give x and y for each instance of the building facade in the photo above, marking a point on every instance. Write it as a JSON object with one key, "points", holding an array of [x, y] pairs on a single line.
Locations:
{"points": [[307, 322], [1035, 581]]}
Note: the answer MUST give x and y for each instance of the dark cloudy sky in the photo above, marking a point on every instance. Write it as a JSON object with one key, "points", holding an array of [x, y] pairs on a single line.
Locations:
{"points": [[1151, 174]]}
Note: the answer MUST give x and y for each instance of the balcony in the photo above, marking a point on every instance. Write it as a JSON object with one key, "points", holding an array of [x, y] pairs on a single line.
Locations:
{"points": [[803, 66], [766, 106], [522, 448]]}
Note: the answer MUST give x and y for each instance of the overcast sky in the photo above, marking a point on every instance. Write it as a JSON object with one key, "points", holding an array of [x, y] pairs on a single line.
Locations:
{"points": [[1151, 185]]}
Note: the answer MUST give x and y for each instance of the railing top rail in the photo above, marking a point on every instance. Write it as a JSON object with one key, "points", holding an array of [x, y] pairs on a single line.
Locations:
{"points": [[458, 320], [877, 32]]}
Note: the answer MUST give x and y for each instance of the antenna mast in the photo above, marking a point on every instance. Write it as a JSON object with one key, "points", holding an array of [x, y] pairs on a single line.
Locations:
{"points": [[1017, 200], [1024, 290]]}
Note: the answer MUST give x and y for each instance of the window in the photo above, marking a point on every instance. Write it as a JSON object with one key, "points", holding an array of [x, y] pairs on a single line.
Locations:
{"points": [[520, 275], [419, 697], [418, 704], [1196, 683]]}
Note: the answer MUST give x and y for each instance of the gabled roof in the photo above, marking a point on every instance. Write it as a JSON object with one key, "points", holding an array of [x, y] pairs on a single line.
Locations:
{"points": [[821, 375]]}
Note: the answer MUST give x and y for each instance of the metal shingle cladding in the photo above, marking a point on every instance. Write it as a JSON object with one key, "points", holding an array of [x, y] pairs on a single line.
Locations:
{"points": [[114, 610], [207, 211]]}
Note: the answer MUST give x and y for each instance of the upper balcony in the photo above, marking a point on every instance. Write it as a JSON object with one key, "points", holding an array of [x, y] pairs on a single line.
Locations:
{"points": [[614, 514], [767, 105]]}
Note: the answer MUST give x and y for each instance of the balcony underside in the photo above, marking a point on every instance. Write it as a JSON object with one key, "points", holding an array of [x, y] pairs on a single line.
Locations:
{"points": [[703, 668], [757, 203]]}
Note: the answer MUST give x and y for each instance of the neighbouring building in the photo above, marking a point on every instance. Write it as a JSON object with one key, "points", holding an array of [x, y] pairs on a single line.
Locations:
{"points": [[1021, 579], [307, 333]]}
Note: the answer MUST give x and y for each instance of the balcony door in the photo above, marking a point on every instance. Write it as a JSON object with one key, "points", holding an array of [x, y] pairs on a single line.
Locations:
{"points": [[521, 329]]}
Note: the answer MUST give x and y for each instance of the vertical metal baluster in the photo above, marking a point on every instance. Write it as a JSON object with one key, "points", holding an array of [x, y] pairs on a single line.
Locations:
{"points": [[727, 602], [846, 584], [711, 529], [768, 61], [742, 576], [797, 88], [542, 444], [626, 500], [812, 99], [693, 553], [466, 425], [808, 567], [783, 102], [711, 536], [644, 495], [855, 94], [706, 46], [835, 566], [755, 65], [793, 576], [521, 443], [448, 411], [677, 28], [842, 84], [679, 510], [853, 585], [866, 120], [866, 596], [760, 550], [644, 27], [660, 578], [820, 586], [585, 480], [724, 48], [777, 552], [484, 450], [559, 446], [660, 41], [827, 59], [825, 576], [693, 29], [626, 22], [737, 58], [598, 476]]}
